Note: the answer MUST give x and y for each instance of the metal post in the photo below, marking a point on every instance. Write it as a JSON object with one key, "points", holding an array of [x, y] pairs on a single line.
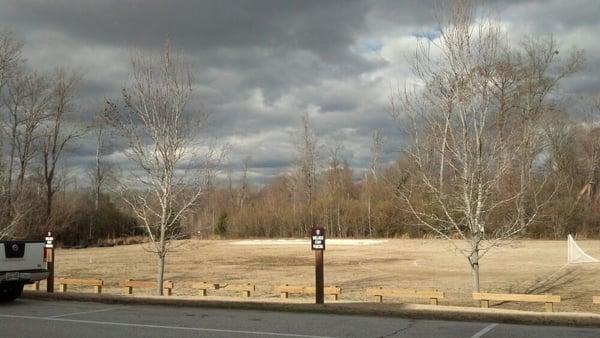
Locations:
{"points": [[317, 243], [50, 262], [319, 284]]}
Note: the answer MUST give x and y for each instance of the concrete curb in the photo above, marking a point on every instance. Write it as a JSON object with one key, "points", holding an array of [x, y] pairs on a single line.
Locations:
{"points": [[415, 311]]}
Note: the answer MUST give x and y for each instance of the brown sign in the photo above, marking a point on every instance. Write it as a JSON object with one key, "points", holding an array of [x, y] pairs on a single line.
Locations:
{"points": [[317, 239]]}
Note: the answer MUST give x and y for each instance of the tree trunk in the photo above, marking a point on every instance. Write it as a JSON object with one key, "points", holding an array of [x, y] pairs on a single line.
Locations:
{"points": [[161, 259], [369, 217], [49, 196], [98, 178], [161, 273], [11, 164], [339, 224], [21, 177], [474, 262]]}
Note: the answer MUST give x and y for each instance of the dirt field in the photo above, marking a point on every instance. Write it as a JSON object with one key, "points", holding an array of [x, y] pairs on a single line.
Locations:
{"points": [[521, 266]]}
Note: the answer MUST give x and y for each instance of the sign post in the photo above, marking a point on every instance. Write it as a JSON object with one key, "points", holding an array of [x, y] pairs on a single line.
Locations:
{"points": [[317, 244], [49, 247]]}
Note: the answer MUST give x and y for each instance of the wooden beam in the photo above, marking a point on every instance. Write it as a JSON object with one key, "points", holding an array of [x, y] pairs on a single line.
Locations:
{"points": [[77, 281], [245, 289], [548, 300], [515, 297], [380, 292], [130, 284], [96, 283], [203, 287], [285, 290]]}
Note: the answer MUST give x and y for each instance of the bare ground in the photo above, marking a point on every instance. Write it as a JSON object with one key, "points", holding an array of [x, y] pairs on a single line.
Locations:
{"points": [[517, 267]]}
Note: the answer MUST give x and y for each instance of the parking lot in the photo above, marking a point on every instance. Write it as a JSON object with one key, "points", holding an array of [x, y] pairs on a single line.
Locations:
{"points": [[35, 318]]}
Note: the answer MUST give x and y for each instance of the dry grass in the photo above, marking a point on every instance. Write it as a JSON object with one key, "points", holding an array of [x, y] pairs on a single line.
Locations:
{"points": [[519, 267]]}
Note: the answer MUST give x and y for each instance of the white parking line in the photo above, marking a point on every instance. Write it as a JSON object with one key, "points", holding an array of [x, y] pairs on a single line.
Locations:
{"points": [[85, 312], [484, 330], [199, 329]]}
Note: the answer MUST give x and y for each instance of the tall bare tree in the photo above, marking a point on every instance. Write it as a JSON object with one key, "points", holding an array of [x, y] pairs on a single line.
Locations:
{"points": [[305, 175], [333, 188], [463, 149], [589, 133], [10, 62], [163, 139], [101, 169], [539, 70], [26, 99], [371, 172], [58, 134]]}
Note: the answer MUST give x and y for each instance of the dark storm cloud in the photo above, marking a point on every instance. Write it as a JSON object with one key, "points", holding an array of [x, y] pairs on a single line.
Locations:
{"points": [[260, 64], [265, 44], [324, 27], [258, 38]]}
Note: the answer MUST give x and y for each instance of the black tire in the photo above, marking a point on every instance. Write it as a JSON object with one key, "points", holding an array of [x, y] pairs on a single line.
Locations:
{"points": [[10, 292]]}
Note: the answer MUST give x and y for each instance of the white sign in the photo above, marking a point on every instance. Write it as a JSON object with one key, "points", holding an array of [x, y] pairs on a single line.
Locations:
{"points": [[318, 239], [49, 242]]}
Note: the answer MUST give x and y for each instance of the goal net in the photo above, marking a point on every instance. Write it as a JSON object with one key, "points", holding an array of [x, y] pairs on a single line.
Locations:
{"points": [[576, 254]]}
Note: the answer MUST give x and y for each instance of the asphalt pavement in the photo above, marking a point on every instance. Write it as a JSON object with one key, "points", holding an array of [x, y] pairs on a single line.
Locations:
{"points": [[41, 318]]}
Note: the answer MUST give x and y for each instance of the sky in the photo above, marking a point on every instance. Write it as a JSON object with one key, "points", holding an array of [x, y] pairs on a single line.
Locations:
{"points": [[260, 65]]}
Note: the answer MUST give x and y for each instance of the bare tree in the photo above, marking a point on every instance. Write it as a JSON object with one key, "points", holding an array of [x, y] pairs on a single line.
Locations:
{"points": [[591, 147], [305, 175], [162, 135], [334, 193], [101, 172], [10, 61], [26, 101], [101, 169], [462, 147], [57, 134], [374, 163], [538, 70]]}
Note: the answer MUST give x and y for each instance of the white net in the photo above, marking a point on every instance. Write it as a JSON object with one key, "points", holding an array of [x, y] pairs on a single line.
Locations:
{"points": [[576, 254]]}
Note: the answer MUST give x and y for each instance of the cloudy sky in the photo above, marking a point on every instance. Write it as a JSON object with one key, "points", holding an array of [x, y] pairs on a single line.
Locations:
{"points": [[260, 65]]}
